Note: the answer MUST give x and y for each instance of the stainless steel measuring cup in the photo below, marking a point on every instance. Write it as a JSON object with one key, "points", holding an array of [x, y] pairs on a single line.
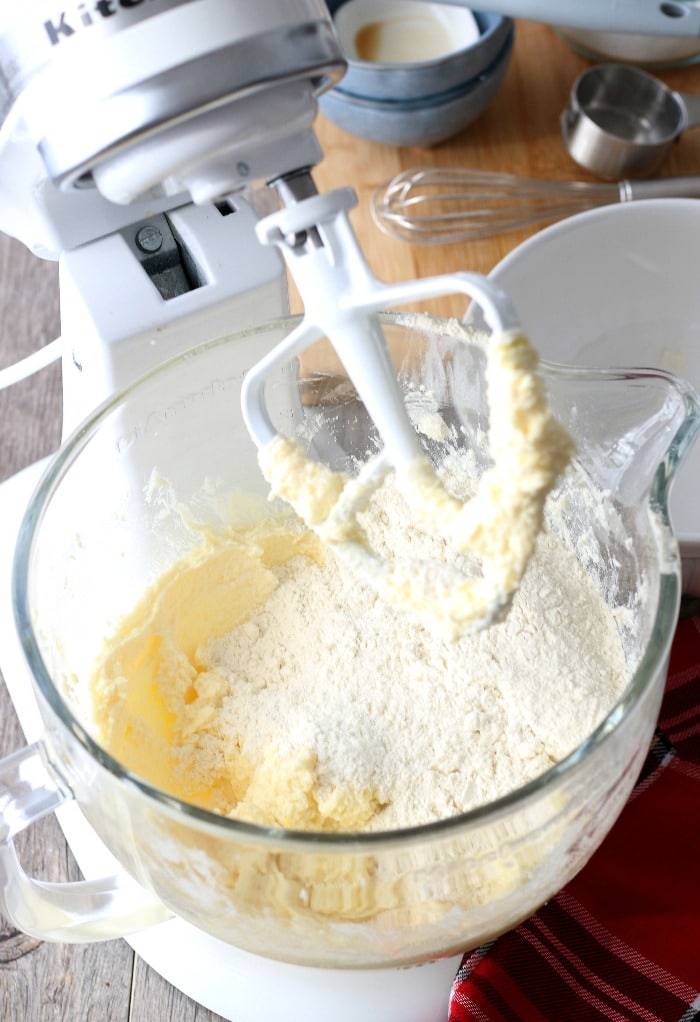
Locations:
{"points": [[620, 121]]}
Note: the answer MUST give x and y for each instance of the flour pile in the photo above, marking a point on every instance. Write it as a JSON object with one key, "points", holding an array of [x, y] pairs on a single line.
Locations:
{"points": [[300, 699]]}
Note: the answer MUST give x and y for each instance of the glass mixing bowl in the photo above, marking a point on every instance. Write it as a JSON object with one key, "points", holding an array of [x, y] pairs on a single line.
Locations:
{"points": [[97, 532]]}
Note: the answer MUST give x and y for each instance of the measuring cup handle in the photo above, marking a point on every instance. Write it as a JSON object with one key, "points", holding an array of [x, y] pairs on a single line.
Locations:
{"points": [[82, 911], [691, 108]]}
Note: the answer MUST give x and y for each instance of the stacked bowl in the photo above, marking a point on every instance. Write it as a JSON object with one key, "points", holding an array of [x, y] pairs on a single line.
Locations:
{"points": [[418, 73]]}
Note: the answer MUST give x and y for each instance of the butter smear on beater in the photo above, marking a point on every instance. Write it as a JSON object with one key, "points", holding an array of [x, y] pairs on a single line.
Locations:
{"points": [[499, 525]]}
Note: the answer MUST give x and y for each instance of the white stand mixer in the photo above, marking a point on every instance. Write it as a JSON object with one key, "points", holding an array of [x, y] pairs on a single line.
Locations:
{"points": [[131, 134]]}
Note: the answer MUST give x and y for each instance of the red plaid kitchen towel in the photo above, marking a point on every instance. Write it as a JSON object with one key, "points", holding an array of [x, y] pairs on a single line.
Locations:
{"points": [[622, 940]]}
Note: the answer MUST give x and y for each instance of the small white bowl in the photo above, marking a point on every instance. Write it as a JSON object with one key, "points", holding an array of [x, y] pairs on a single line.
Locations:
{"points": [[475, 39], [618, 286]]}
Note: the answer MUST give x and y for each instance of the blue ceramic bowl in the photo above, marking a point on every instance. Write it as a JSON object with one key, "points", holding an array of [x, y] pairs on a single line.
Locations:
{"points": [[418, 122], [416, 80]]}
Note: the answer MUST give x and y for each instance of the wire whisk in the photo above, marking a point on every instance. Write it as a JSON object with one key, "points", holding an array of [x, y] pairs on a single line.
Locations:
{"points": [[436, 205]]}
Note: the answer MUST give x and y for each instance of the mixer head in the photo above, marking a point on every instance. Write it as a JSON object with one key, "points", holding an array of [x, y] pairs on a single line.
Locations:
{"points": [[156, 102], [126, 128]]}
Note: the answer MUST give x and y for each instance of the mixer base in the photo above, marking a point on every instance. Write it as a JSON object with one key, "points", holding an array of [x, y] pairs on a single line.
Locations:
{"points": [[239, 986]]}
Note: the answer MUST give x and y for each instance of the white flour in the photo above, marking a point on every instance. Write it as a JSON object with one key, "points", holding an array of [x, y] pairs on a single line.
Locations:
{"points": [[326, 676]]}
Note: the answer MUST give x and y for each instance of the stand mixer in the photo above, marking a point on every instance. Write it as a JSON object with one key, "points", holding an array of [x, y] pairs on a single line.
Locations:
{"points": [[144, 180]]}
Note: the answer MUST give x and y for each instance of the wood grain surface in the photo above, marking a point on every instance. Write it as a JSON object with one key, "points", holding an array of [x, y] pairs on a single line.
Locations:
{"points": [[519, 133]]}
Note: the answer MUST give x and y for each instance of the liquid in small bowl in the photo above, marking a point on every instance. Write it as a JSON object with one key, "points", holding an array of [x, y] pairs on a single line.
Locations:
{"points": [[403, 31]]}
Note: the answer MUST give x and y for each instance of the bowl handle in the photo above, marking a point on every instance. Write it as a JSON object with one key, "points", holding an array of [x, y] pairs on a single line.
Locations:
{"points": [[81, 911]]}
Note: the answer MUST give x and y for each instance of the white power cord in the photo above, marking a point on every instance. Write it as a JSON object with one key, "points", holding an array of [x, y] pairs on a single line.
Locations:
{"points": [[31, 364]]}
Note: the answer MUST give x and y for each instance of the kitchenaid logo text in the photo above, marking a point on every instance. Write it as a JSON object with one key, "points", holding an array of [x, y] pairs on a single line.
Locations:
{"points": [[67, 23], [157, 418]]}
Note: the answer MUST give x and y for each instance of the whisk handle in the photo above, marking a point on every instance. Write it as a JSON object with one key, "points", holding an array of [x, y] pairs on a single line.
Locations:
{"points": [[683, 187]]}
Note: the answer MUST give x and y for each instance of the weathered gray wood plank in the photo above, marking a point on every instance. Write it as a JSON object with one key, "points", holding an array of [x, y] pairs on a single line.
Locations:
{"points": [[30, 411], [150, 989]]}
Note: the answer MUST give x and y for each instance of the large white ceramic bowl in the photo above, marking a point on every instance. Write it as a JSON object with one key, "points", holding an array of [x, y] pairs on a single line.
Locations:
{"points": [[618, 286]]}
